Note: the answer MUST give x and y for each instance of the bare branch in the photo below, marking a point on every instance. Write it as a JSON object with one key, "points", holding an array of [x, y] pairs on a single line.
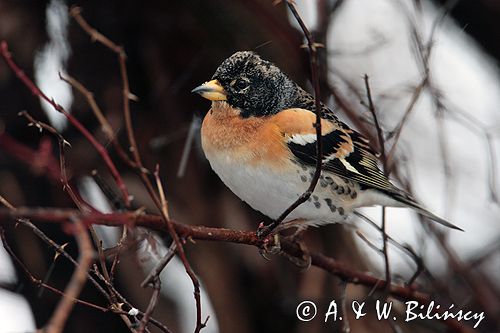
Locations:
{"points": [[105, 125], [335, 267], [75, 12], [4, 51], [73, 289], [313, 61], [380, 135]]}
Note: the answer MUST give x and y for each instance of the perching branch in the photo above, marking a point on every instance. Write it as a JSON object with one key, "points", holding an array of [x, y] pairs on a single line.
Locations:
{"points": [[337, 268]]}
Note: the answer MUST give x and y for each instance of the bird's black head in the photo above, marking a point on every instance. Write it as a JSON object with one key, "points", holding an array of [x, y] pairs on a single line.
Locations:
{"points": [[251, 84]]}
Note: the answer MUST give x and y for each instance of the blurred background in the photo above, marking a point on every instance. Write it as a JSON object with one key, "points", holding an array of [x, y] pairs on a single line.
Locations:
{"points": [[437, 60]]}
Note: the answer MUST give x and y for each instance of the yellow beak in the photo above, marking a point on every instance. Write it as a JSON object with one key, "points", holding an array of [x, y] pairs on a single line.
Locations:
{"points": [[211, 90]]}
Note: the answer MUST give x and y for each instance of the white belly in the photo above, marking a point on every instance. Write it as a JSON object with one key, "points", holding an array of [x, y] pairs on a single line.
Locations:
{"points": [[272, 192]]}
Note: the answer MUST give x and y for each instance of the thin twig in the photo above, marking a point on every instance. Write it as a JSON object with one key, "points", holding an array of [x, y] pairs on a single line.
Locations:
{"points": [[156, 285], [380, 134], [39, 282], [396, 133], [96, 36], [343, 307], [153, 279], [182, 255], [492, 170], [75, 285], [4, 51], [116, 258], [406, 249], [289, 248], [6, 203], [79, 202], [381, 143], [188, 144], [155, 272], [75, 12], [105, 125], [313, 61], [114, 305]]}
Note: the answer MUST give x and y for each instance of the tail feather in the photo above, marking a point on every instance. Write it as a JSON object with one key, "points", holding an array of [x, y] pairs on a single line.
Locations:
{"points": [[409, 201]]}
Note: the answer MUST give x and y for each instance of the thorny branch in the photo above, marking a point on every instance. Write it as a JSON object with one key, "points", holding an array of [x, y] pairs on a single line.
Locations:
{"points": [[75, 12], [290, 248], [105, 125], [79, 202], [61, 314], [75, 285], [4, 51], [114, 297], [38, 282], [75, 197], [163, 222]]}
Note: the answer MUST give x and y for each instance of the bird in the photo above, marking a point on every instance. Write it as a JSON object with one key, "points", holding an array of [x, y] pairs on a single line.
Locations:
{"points": [[260, 139]]}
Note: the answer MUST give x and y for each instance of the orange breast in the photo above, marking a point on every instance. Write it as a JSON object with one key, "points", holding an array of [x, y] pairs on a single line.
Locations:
{"points": [[253, 141]]}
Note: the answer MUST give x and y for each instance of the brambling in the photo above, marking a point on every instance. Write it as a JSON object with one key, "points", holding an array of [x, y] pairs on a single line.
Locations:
{"points": [[259, 137]]}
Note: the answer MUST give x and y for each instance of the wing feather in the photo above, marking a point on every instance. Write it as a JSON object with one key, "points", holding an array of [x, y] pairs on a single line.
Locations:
{"points": [[345, 153], [348, 154]]}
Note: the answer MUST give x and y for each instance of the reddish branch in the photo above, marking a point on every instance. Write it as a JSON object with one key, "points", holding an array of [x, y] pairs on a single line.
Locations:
{"points": [[115, 299], [289, 248], [73, 289], [105, 125], [4, 51], [75, 12], [31, 157], [164, 223]]}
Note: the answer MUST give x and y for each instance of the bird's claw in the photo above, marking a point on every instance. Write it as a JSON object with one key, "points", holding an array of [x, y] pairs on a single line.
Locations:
{"points": [[270, 245], [262, 231]]}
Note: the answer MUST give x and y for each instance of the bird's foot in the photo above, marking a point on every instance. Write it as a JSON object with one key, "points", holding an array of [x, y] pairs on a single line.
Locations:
{"points": [[262, 231], [270, 246], [273, 228]]}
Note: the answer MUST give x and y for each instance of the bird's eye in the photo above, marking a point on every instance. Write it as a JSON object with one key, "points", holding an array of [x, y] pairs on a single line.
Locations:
{"points": [[241, 84]]}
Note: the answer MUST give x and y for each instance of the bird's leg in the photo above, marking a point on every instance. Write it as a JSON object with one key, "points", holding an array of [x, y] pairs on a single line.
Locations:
{"points": [[271, 244]]}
